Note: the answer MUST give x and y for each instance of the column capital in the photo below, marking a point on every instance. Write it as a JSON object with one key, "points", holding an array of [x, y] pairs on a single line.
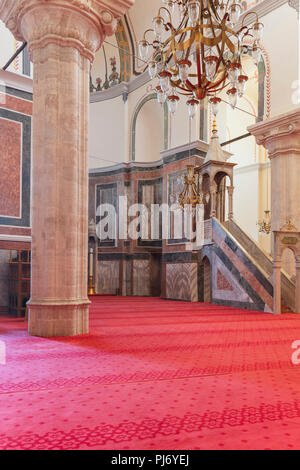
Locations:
{"points": [[82, 24], [279, 135]]}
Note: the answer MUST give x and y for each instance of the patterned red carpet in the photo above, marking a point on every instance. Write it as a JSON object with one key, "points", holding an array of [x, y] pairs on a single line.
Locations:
{"points": [[153, 374]]}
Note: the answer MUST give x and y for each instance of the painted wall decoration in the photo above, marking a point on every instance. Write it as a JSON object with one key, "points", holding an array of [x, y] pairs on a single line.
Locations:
{"points": [[15, 160]]}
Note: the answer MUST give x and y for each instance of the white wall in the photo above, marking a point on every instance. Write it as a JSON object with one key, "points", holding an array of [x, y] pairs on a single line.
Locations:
{"points": [[8, 47], [106, 133], [149, 140], [281, 43]]}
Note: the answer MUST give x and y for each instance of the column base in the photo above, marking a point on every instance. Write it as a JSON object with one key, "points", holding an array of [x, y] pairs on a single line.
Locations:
{"points": [[50, 320]]}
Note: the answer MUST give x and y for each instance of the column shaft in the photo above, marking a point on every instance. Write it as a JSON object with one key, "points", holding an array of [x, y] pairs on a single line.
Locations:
{"points": [[277, 288], [60, 193]]}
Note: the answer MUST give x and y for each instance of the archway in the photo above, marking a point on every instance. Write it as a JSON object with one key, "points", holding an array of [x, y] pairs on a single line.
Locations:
{"points": [[222, 181], [149, 133], [288, 258], [287, 238]]}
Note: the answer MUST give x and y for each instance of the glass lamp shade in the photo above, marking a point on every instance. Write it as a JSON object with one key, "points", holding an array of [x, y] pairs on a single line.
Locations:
{"points": [[208, 30], [241, 85], [215, 104], [232, 96], [256, 54], [221, 10], [152, 69], [158, 25], [211, 63], [143, 49], [171, 5], [164, 78], [193, 11], [183, 67], [161, 97], [235, 13], [172, 101], [234, 72], [192, 107], [244, 46], [258, 31]]}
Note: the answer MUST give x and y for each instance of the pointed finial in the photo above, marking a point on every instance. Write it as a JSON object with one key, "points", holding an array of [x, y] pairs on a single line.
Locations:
{"points": [[215, 126]]}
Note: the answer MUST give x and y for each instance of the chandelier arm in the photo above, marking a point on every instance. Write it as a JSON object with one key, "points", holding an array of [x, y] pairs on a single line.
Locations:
{"points": [[215, 85], [216, 90], [183, 25], [220, 51], [248, 14], [174, 50], [213, 8], [148, 31], [190, 86], [199, 71], [165, 9], [188, 52]]}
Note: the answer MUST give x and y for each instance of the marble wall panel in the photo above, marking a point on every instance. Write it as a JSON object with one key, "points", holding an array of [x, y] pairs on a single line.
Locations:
{"points": [[141, 278], [10, 164], [108, 277], [182, 281]]}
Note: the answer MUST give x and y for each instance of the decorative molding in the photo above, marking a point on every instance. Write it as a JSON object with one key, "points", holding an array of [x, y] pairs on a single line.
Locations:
{"points": [[14, 80], [278, 127], [262, 8], [89, 22], [294, 4], [15, 238], [118, 90]]}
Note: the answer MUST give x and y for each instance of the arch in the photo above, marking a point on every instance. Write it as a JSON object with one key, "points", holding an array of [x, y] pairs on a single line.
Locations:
{"points": [[142, 102], [221, 195], [286, 239], [206, 192], [265, 62]]}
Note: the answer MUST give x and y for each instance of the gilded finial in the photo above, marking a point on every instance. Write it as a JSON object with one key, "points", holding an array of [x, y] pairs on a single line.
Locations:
{"points": [[215, 126]]}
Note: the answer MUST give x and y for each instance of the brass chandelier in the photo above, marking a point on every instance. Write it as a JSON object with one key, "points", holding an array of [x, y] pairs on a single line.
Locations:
{"points": [[200, 31]]}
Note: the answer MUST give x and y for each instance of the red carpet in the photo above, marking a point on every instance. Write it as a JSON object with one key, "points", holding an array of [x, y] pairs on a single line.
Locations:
{"points": [[153, 374]]}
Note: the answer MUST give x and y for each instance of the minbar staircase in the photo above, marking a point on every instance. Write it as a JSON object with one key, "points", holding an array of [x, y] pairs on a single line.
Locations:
{"points": [[263, 261]]}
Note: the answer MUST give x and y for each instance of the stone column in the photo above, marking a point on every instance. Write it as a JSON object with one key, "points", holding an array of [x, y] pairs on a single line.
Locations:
{"points": [[230, 202], [213, 199], [281, 137], [62, 37], [277, 287]]}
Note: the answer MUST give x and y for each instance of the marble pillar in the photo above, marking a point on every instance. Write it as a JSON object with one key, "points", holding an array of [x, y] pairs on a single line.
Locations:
{"points": [[213, 199], [281, 137], [62, 37], [230, 190], [277, 286]]}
